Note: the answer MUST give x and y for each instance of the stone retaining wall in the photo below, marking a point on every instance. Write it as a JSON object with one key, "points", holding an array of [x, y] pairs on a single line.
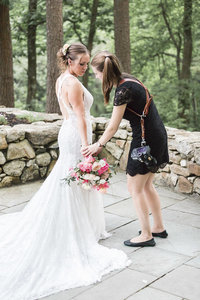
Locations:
{"points": [[29, 152], [183, 172]]}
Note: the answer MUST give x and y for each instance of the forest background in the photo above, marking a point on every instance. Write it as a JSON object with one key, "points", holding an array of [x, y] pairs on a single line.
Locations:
{"points": [[157, 41]]}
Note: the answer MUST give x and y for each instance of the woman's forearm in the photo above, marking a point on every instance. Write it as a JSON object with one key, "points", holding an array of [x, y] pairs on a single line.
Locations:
{"points": [[107, 135], [117, 115], [95, 148]]}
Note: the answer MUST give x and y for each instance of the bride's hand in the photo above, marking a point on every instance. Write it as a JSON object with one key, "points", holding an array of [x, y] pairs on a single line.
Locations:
{"points": [[90, 150], [83, 148]]}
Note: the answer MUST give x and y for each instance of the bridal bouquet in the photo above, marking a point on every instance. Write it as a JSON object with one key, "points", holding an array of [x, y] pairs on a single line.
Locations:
{"points": [[91, 173]]}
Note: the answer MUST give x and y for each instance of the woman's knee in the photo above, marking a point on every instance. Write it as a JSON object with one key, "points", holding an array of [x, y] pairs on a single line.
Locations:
{"points": [[149, 188], [136, 184], [135, 189]]}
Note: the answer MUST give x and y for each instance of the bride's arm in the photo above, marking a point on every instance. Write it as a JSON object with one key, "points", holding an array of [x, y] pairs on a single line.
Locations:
{"points": [[75, 98], [117, 115]]}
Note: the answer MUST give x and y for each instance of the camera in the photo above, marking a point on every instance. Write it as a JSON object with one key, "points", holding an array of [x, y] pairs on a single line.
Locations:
{"points": [[143, 155]]}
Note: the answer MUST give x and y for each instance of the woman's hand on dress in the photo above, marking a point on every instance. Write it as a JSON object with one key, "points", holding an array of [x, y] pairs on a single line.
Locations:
{"points": [[90, 150]]}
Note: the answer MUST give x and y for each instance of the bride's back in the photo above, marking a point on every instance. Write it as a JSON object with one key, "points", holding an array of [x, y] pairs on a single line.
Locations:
{"points": [[63, 84]]}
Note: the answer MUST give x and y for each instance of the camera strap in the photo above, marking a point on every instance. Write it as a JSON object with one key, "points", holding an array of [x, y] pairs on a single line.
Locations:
{"points": [[146, 108]]}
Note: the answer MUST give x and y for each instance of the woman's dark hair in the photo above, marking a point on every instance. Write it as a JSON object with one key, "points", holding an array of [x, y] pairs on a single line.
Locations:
{"points": [[70, 51], [109, 65]]}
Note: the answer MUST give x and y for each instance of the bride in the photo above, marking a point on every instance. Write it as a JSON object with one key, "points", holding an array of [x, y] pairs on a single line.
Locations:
{"points": [[52, 245]]}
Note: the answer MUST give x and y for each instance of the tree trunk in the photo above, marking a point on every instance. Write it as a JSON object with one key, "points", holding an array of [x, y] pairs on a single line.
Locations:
{"points": [[122, 33], [177, 41], [6, 63], [54, 43], [91, 35], [31, 44], [184, 101]]}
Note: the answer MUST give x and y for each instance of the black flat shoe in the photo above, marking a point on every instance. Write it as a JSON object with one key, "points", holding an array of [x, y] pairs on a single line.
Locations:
{"points": [[149, 243], [162, 235]]}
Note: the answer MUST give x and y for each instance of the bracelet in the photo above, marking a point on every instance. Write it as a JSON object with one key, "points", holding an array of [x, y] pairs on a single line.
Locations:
{"points": [[99, 144]]}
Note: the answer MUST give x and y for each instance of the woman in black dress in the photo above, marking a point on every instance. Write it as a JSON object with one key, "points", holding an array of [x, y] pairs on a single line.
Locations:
{"points": [[131, 95]]}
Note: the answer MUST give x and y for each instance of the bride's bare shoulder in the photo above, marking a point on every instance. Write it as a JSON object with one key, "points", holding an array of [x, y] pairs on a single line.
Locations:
{"points": [[71, 81]]}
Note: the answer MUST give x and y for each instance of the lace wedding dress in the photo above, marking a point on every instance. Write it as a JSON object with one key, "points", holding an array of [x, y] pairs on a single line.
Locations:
{"points": [[52, 244]]}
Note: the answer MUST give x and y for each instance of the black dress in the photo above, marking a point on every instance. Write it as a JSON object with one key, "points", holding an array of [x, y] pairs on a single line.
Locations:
{"points": [[134, 95]]}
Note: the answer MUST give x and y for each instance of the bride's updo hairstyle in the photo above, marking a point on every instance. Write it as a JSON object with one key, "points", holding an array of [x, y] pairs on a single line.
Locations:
{"points": [[109, 65], [70, 51]]}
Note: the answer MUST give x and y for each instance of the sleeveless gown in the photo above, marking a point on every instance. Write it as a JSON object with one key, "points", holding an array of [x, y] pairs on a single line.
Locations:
{"points": [[51, 245]]}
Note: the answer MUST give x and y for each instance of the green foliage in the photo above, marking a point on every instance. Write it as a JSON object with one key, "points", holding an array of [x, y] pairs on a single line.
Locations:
{"points": [[19, 23], [152, 50], [76, 17], [154, 56], [30, 118], [76, 30], [4, 2], [3, 120]]}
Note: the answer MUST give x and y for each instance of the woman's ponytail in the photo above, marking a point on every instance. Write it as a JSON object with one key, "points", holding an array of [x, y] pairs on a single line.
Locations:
{"points": [[109, 65]]}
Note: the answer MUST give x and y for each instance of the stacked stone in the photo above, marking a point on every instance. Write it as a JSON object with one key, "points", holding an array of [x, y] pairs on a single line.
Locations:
{"points": [[117, 149], [183, 172], [27, 151]]}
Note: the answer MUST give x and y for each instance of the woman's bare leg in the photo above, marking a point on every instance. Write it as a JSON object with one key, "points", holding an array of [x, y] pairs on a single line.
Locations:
{"points": [[136, 187], [153, 202]]}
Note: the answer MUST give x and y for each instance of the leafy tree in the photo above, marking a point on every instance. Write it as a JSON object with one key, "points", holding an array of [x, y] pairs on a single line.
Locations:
{"points": [[77, 24], [183, 68], [157, 44], [21, 18], [155, 58], [91, 35]]}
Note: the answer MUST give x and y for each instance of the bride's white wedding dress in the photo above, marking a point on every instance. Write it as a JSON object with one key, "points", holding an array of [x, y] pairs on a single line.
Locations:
{"points": [[52, 244]]}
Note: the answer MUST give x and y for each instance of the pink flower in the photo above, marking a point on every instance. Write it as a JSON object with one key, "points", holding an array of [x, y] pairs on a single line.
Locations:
{"points": [[88, 167], [85, 181], [81, 166], [105, 175], [76, 175], [73, 174], [102, 186], [91, 173], [105, 185], [85, 167], [90, 159], [103, 169]]}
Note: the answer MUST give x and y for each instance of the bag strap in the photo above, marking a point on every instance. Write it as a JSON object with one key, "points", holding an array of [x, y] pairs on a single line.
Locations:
{"points": [[145, 111]]}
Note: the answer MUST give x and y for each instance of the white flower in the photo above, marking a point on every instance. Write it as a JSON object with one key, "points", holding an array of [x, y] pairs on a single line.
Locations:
{"points": [[89, 177], [86, 186], [96, 178], [64, 49], [102, 163], [96, 166], [102, 181]]}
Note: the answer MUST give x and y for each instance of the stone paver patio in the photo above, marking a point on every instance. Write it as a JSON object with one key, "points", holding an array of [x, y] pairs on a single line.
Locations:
{"points": [[169, 271]]}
